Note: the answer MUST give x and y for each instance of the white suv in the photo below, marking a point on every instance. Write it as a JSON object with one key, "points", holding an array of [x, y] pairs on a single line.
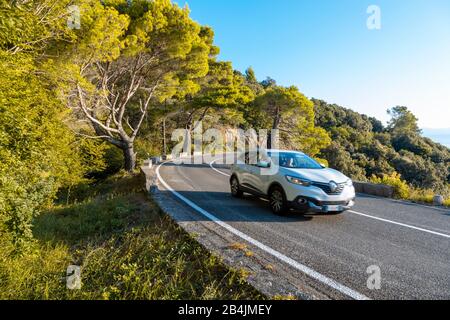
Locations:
{"points": [[293, 180]]}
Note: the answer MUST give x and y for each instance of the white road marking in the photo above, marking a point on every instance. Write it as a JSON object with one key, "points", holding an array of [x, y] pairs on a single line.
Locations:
{"points": [[401, 224], [369, 216], [217, 170], [300, 267], [409, 202]]}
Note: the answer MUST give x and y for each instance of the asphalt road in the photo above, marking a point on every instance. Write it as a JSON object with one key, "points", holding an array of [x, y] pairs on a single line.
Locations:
{"points": [[409, 243]]}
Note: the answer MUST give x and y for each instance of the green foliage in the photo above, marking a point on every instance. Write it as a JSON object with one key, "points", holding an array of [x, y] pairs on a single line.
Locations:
{"points": [[146, 147], [421, 195], [288, 110], [132, 56], [250, 75], [401, 188], [252, 82], [92, 155], [411, 142], [222, 92], [268, 83], [339, 158], [447, 202], [421, 172], [39, 153], [362, 147], [32, 26], [127, 250], [279, 103], [101, 34], [377, 125], [403, 120]]}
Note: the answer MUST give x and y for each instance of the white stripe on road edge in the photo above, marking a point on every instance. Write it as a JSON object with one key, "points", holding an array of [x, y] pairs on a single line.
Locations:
{"points": [[302, 268], [216, 170], [408, 202], [366, 215], [400, 224]]}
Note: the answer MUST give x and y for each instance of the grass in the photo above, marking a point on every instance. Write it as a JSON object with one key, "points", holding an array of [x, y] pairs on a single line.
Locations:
{"points": [[421, 196], [126, 247], [425, 196], [403, 191], [238, 246]]}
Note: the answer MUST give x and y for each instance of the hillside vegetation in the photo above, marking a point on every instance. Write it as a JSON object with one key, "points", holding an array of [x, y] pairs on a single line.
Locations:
{"points": [[365, 149], [126, 248]]}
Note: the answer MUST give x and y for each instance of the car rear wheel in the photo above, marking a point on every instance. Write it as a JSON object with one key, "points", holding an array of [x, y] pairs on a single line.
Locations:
{"points": [[277, 200], [235, 188]]}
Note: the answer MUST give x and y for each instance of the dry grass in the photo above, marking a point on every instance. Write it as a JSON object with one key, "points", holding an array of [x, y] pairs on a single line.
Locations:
{"points": [[238, 246], [285, 298], [424, 196], [249, 253], [126, 247], [269, 267]]}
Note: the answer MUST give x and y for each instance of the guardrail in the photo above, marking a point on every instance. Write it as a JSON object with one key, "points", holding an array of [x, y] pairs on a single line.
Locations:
{"points": [[380, 190]]}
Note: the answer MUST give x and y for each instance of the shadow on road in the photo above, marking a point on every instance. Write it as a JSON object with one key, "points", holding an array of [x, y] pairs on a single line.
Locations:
{"points": [[197, 165], [226, 208], [248, 209]]}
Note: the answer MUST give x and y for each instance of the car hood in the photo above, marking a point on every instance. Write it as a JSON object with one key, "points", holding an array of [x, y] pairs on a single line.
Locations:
{"points": [[319, 175]]}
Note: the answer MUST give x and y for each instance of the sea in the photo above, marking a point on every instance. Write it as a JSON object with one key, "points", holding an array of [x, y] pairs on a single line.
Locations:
{"points": [[441, 136]]}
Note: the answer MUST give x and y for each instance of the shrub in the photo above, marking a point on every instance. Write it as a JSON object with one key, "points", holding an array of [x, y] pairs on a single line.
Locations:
{"points": [[39, 153], [447, 202], [421, 195], [401, 188]]}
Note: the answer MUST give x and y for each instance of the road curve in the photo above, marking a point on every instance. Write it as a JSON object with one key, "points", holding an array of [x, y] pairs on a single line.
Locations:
{"points": [[409, 243]]}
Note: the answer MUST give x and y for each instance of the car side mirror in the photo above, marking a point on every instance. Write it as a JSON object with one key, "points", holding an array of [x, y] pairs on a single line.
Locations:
{"points": [[263, 164]]}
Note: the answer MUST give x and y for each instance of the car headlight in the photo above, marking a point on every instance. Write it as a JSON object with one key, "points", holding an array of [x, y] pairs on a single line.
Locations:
{"points": [[299, 181], [349, 183]]}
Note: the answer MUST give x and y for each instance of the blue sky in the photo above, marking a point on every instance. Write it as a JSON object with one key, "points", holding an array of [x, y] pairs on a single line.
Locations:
{"points": [[325, 48]]}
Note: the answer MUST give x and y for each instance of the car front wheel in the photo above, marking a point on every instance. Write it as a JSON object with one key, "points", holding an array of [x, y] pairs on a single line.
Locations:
{"points": [[277, 200]]}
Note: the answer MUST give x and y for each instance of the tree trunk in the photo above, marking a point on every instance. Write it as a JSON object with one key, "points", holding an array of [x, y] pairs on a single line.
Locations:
{"points": [[130, 157], [276, 124], [269, 140], [164, 137]]}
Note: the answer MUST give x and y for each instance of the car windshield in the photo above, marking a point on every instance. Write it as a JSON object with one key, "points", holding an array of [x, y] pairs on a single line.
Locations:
{"points": [[297, 161]]}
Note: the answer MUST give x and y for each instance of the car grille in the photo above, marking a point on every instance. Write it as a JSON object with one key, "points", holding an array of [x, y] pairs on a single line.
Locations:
{"points": [[326, 188]]}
